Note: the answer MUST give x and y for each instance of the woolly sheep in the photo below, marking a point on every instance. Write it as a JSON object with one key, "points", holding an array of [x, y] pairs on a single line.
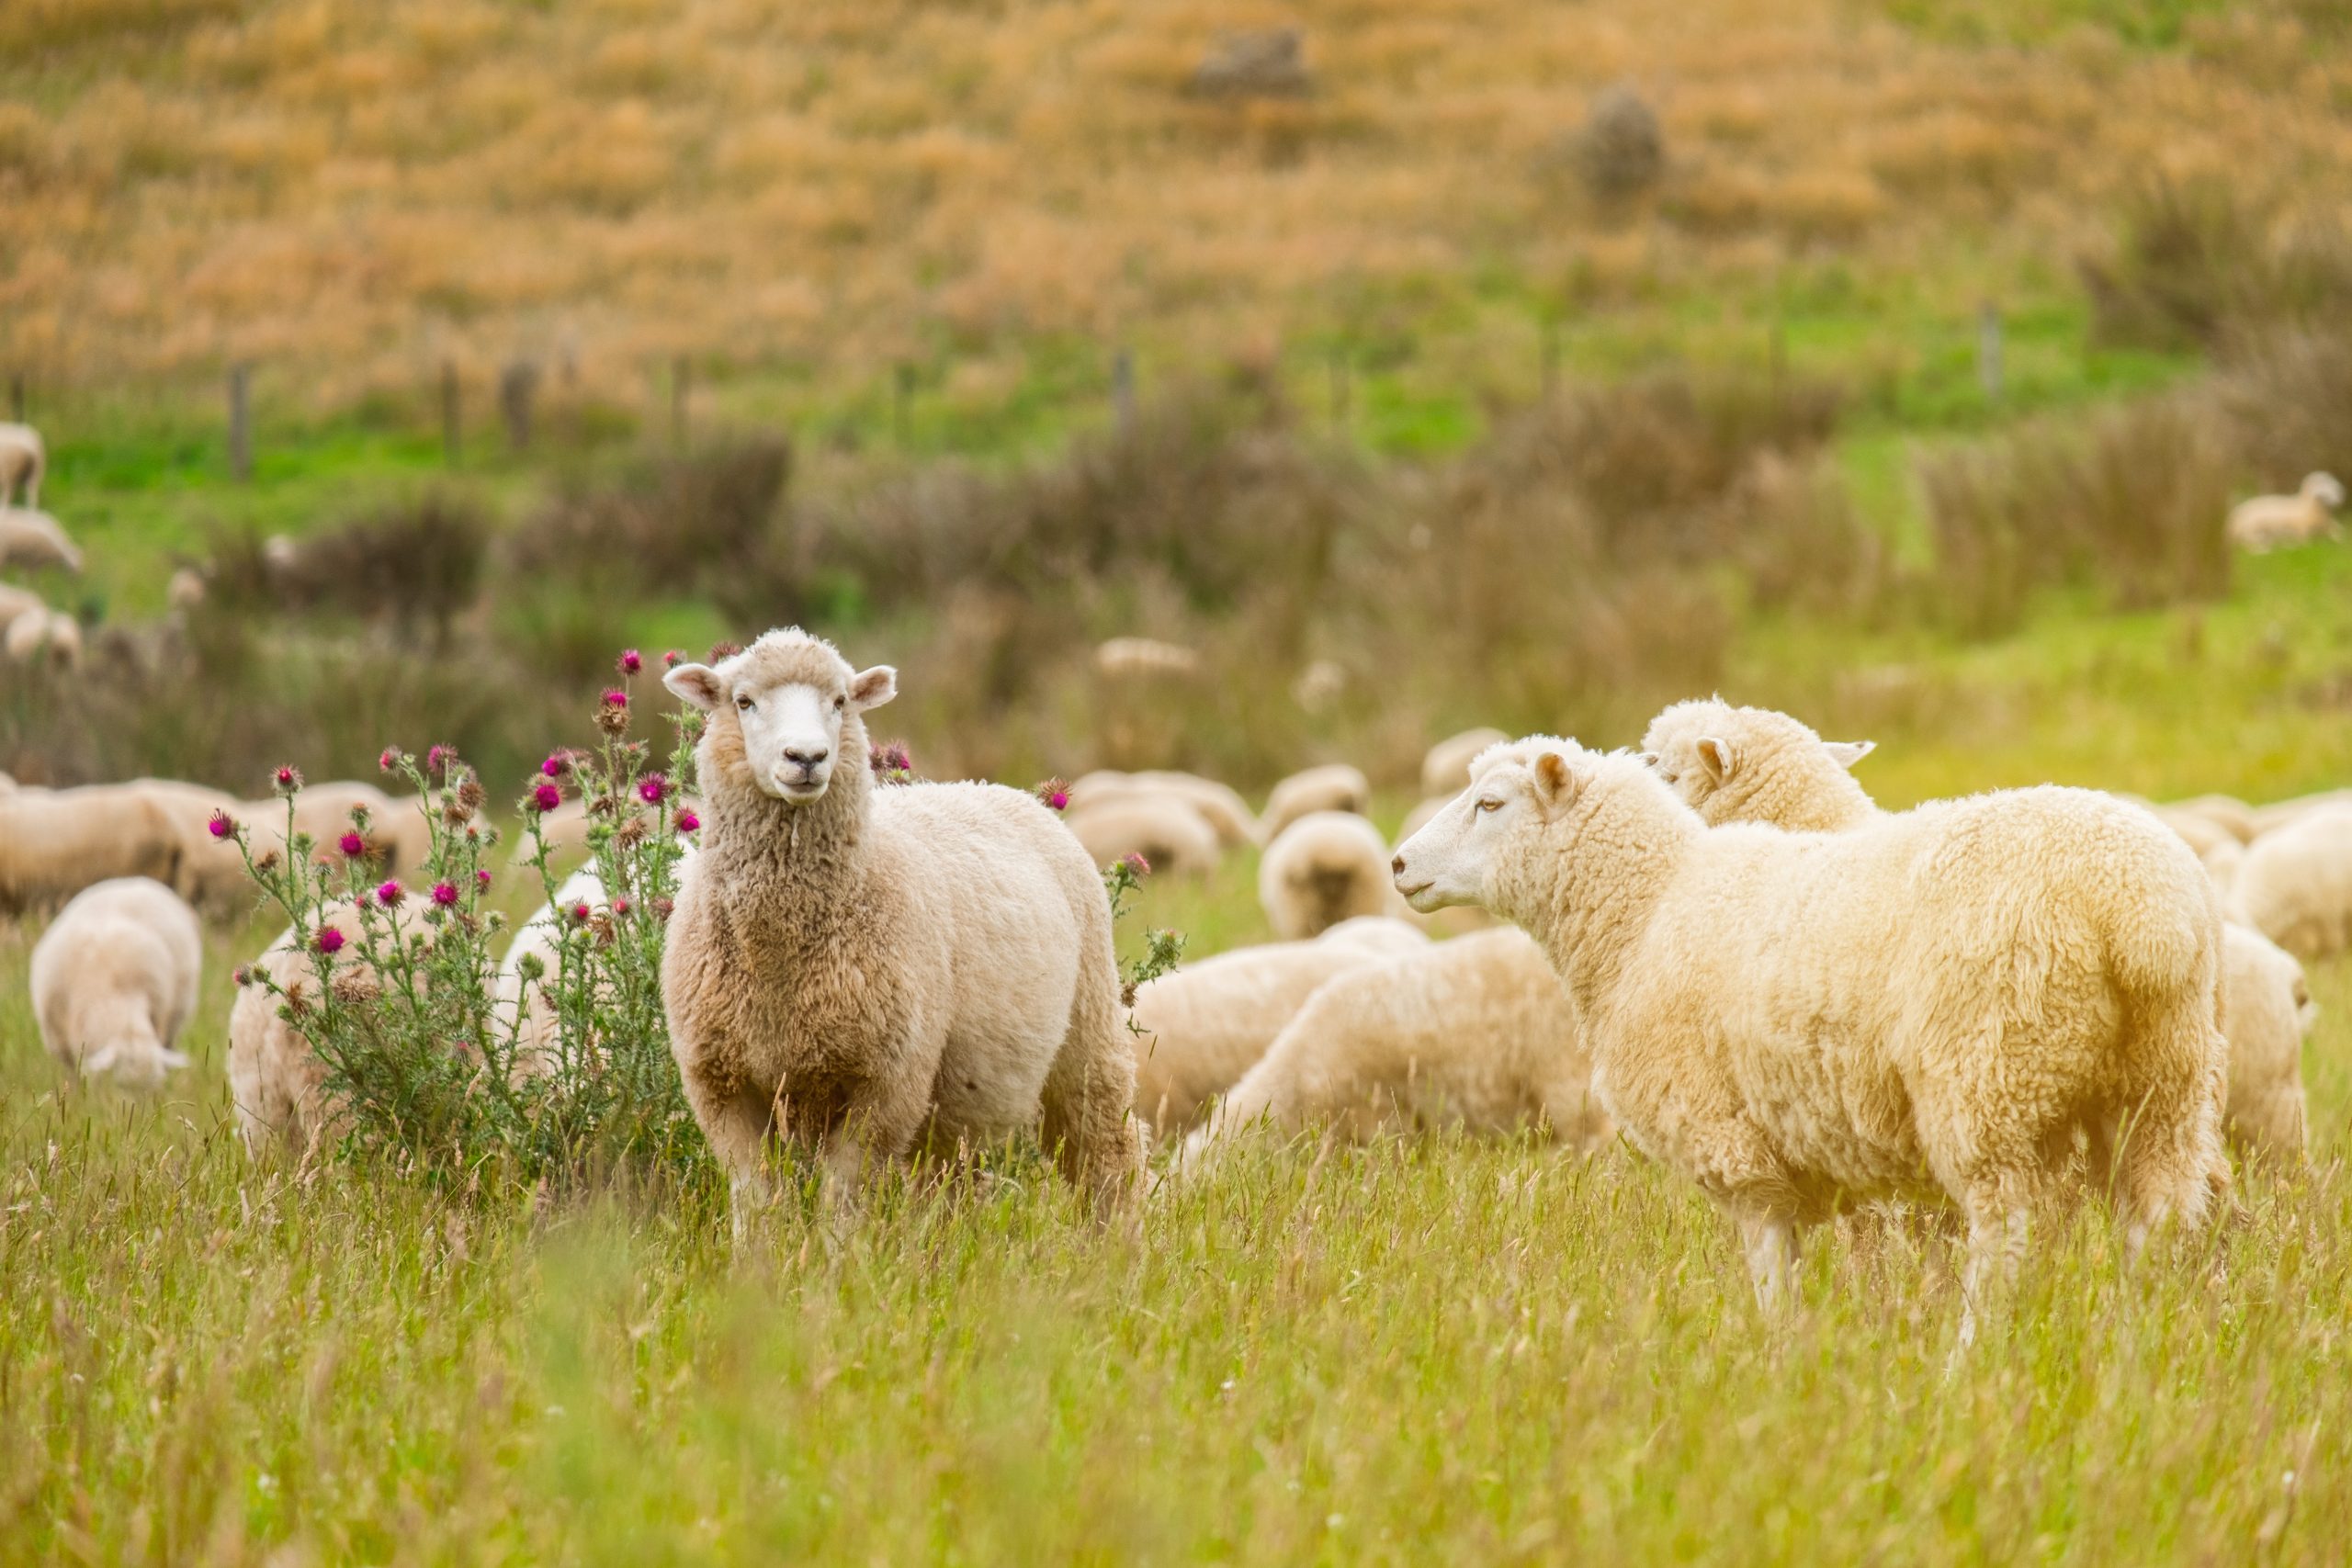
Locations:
{"points": [[1335, 787], [34, 538], [1419, 817], [2268, 819], [1940, 996], [1200, 1027], [2295, 885], [113, 980], [43, 634], [54, 843], [17, 602], [866, 969], [23, 461], [2227, 812], [185, 590], [1324, 868], [2267, 521], [1219, 805], [277, 1079], [540, 937], [1122, 657], [1476, 1034], [1779, 766], [1166, 831], [1446, 769]]}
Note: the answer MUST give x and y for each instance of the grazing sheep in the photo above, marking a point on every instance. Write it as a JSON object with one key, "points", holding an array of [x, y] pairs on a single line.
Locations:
{"points": [[2204, 836], [1476, 1034], [2227, 812], [1219, 805], [186, 591], [1125, 657], [1325, 867], [2267, 819], [276, 1081], [50, 635], [1336, 787], [34, 538], [1936, 999], [54, 843], [2295, 885], [870, 971], [1200, 1027], [15, 602], [1776, 765], [23, 461], [540, 937], [2265, 523], [1165, 831], [1445, 771], [114, 979]]}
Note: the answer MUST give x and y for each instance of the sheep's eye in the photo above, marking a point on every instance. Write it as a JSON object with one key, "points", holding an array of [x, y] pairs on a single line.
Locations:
{"points": [[840, 703], [1490, 804], [744, 703]]}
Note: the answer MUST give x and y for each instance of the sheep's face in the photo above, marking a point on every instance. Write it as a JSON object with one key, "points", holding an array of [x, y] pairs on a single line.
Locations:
{"points": [[791, 707], [1698, 748], [1452, 860]]}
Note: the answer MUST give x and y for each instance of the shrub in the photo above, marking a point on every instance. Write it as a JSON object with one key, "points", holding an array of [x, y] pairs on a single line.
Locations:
{"points": [[1620, 151], [423, 1063], [414, 565]]}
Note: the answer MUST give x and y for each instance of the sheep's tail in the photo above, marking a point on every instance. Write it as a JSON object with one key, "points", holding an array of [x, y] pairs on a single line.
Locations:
{"points": [[2165, 954]]}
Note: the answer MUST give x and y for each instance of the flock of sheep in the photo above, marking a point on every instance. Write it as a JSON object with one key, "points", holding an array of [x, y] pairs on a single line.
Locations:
{"points": [[30, 628], [1719, 949]]}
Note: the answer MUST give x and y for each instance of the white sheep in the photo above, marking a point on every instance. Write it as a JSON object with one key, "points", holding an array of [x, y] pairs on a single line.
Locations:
{"points": [[1474, 1033], [16, 602], [23, 461], [276, 1078], [33, 539], [2295, 885], [1124, 658], [186, 591], [1324, 868], [2227, 812], [1445, 770], [1164, 830], [54, 843], [1220, 804], [1334, 787], [866, 970], [45, 634], [1937, 1000], [1202, 1026], [113, 980], [2266, 522], [2265, 819], [523, 1003], [1768, 766]]}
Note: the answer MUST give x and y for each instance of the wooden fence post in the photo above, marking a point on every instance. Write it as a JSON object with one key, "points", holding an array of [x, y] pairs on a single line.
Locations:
{"points": [[1988, 350], [1340, 388], [452, 416], [1122, 389], [902, 395], [241, 434], [517, 385], [681, 389]]}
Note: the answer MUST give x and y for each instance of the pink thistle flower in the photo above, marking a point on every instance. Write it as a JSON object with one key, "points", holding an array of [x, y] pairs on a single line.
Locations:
{"points": [[580, 912], [616, 699], [445, 893], [669, 659], [720, 650], [631, 661], [1055, 794], [287, 780], [330, 941], [556, 763], [221, 826], [438, 757], [620, 906], [389, 894], [546, 797], [388, 759], [688, 822], [481, 879], [652, 789], [351, 845], [1136, 863]]}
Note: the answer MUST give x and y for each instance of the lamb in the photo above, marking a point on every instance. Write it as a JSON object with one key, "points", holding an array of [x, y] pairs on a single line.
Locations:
{"points": [[1165, 831], [114, 981], [1769, 765], [1446, 769], [540, 937], [1325, 868], [34, 538], [873, 971], [2265, 523], [1937, 1000], [54, 843], [2295, 885], [1219, 805], [1336, 787], [1200, 1028], [2267, 819], [1474, 1033], [2227, 812], [278, 1082], [44, 634], [23, 460], [16, 602]]}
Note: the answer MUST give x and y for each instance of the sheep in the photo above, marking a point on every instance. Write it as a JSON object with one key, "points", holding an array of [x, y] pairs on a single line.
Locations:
{"points": [[1325, 867], [1200, 1027], [2266, 522], [2295, 885], [1419, 817], [1476, 1034], [54, 843], [1771, 766], [872, 970], [1937, 1000], [186, 591], [1170, 835], [113, 980], [277, 1080], [23, 461], [2227, 812], [2265, 819], [1219, 805], [1446, 769], [44, 634], [525, 1001], [34, 538], [1336, 787], [1125, 657]]}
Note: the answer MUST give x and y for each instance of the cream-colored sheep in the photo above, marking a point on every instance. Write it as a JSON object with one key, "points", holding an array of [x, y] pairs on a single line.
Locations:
{"points": [[54, 843], [2227, 812], [32, 538], [1937, 1000], [2267, 521], [1219, 805], [2295, 885], [1125, 657], [1334, 787], [16, 602], [1419, 817], [1324, 868], [1445, 770], [47, 636], [1173, 837], [1474, 1033], [113, 980], [868, 970], [1203, 1026], [1777, 764], [541, 937], [276, 1078], [23, 461], [2268, 819], [186, 591]]}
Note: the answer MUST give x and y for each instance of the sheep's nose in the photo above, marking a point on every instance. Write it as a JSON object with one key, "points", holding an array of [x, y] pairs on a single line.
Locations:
{"points": [[808, 758], [1397, 866]]}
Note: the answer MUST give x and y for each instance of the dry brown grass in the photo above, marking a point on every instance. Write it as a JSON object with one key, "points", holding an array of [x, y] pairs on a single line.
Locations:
{"points": [[367, 188]]}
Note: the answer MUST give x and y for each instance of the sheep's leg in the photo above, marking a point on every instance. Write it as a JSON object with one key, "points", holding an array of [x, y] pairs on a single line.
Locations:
{"points": [[1769, 1239], [736, 1120], [1088, 1104]]}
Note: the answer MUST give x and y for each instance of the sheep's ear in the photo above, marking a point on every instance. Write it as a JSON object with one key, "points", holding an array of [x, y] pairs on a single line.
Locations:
{"points": [[1647, 759], [172, 1060], [1717, 757], [1555, 782], [871, 688], [695, 683], [1846, 753]]}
